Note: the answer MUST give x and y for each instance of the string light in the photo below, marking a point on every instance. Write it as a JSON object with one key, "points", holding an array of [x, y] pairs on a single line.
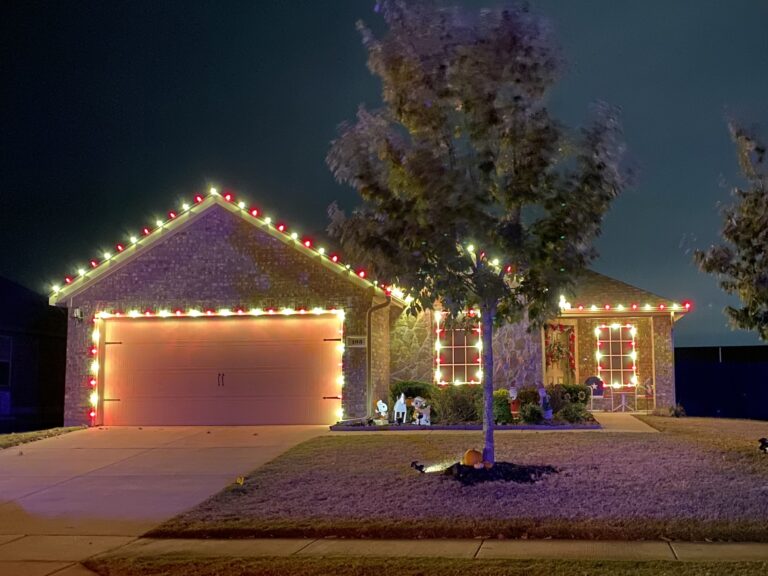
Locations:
{"points": [[200, 199], [161, 314]]}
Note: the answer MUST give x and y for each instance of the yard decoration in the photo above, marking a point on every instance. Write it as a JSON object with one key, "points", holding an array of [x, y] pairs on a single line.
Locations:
{"points": [[400, 410], [421, 412], [462, 151], [763, 445], [472, 458], [546, 406], [383, 410]]}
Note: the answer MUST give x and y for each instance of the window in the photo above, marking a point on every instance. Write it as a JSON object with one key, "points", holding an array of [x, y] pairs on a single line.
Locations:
{"points": [[457, 354], [5, 362], [616, 355]]}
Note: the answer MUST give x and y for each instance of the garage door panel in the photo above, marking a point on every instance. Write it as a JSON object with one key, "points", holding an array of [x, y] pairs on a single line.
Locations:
{"points": [[220, 371]]}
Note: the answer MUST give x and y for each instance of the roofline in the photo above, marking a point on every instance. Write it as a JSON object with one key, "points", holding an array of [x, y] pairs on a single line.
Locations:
{"points": [[189, 213]]}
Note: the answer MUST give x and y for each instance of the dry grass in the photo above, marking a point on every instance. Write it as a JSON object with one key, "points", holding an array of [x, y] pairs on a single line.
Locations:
{"points": [[687, 483], [16, 438], [185, 566]]}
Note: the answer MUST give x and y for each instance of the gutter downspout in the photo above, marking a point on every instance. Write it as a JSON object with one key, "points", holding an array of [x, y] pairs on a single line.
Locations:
{"points": [[369, 355]]}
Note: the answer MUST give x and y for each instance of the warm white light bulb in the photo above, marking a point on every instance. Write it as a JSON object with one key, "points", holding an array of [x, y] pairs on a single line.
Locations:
{"points": [[56, 288], [185, 206], [268, 220], [134, 239], [241, 205], [81, 271], [213, 191], [321, 250]]}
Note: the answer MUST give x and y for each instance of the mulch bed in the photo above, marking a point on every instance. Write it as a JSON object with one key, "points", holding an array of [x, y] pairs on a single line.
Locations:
{"points": [[362, 427], [500, 471]]}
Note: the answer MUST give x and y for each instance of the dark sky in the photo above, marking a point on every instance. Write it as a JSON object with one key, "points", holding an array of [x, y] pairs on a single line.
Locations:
{"points": [[112, 112]]}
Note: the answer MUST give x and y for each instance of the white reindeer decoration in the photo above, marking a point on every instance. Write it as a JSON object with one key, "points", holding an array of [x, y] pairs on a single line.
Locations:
{"points": [[400, 410]]}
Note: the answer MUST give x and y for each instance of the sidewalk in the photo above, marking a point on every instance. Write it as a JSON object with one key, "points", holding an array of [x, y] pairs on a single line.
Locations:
{"points": [[28, 556]]}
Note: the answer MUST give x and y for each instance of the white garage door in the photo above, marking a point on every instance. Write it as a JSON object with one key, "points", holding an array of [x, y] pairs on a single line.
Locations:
{"points": [[225, 371]]}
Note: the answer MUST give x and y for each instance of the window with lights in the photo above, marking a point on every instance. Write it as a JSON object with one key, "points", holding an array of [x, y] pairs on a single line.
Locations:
{"points": [[457, 354], [616, 355]]}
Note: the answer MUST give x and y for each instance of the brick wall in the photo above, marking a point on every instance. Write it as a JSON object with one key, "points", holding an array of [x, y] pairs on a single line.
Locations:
{"points": [[217, 260]]}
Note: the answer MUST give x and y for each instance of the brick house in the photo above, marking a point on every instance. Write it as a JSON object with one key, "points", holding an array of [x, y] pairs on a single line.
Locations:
{"points": [[222, 315]]}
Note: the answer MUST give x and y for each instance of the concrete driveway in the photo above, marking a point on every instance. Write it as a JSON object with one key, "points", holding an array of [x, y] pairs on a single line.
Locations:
{"points": [[66, 498]]}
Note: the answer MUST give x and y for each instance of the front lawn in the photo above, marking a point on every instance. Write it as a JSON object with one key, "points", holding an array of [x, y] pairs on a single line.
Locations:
{"points": [[16, 438], [116, 565], [684, 483]]}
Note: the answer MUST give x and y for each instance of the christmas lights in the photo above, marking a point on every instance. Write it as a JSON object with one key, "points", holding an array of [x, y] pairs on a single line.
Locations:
{"points": [[94, 367], [148, 235], [616, 355], [446, 373]]}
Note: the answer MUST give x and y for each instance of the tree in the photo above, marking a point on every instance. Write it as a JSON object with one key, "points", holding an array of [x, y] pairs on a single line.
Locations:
{"points": [[741, 264], [472, 194]]}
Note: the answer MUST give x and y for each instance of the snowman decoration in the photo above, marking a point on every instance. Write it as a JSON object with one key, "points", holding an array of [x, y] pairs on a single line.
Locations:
{"points": [[421, 412]]}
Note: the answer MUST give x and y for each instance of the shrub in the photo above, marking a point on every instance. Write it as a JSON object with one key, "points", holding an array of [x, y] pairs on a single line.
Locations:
{"points": [[576, 392], [528, 395], [574, 412], [457, 404], [677, 411], [411, 389], [501, 412], [531, 413], [562, 394]]}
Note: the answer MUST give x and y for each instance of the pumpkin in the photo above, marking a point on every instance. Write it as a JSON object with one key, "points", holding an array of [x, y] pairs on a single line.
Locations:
{"points": [[472, 457]]}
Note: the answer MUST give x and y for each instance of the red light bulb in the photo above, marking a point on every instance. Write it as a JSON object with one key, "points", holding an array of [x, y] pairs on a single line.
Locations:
{"points": [[334, 258], [67, 279], [198, 198], [607, 306], [228, 197], [120, 247], [94, 263], [92, 413], [171, 215], [661, 306], [308, 243], [146, 231], [361, 273], [281, 227], [254, 212], [634, 306]]}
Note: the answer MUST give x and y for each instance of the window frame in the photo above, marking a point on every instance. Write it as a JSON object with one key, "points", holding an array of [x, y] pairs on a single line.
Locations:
{"points": [[468, 343]]}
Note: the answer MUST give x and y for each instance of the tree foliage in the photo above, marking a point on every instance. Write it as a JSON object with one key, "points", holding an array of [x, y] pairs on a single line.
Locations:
{"points": [[472, 193], [741, 263]]}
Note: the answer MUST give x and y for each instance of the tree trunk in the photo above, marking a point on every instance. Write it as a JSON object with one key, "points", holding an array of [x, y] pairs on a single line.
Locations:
{"points": [[486, 337]]}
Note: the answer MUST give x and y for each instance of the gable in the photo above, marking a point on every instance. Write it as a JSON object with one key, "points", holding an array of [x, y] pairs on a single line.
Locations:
{"points": [[235, 248]]}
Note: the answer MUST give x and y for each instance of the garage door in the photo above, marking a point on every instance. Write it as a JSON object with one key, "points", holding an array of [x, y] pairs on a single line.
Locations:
{"points": [[225, 371]]}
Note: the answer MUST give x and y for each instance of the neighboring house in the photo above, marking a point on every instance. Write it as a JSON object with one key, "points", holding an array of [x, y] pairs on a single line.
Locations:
{"points": [[32, 357], [223, 315]]}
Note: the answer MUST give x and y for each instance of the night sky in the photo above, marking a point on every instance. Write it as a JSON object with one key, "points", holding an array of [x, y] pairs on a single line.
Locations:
{"points": [[113, 112]]}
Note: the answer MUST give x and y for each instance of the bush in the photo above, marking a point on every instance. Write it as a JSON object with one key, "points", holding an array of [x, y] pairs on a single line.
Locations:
{"points": [[531, 413], [574, 412], [677, 411], [411, 389], [528, 395], [501, 412], [560, 395], [457, 404]]}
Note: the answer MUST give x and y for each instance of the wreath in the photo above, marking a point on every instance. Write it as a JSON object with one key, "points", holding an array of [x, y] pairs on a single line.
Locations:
{"points": [[556, 348]]}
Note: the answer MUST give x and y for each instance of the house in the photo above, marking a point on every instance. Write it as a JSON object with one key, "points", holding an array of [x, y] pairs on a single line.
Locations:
{"points": [[32, 355], [223, 314]]}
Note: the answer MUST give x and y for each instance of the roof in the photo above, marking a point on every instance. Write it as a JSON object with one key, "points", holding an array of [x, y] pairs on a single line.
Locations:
{"points": [[597, 293], [134, 246]]}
